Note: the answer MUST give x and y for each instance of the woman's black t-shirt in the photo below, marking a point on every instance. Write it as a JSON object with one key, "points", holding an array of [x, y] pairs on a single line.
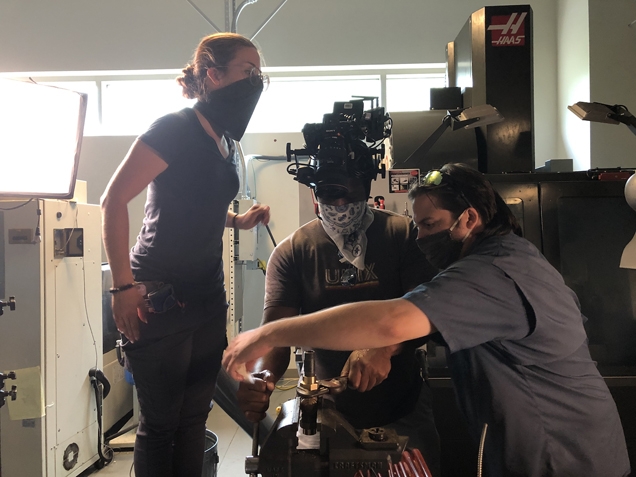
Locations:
{"points": [[180, 241]]}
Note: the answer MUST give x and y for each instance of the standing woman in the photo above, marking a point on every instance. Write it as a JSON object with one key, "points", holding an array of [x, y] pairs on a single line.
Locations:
{"points": [[169, 298]]}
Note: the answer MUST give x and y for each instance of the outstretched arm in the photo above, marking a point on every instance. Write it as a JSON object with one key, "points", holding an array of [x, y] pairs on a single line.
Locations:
{"points": [[369, 324]]}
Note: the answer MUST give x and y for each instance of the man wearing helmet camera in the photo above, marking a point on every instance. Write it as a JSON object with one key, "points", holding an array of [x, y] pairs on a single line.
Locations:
{"points": [[350, 253]]}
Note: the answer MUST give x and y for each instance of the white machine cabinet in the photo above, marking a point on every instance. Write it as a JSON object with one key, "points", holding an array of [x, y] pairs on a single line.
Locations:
{"points": [[56, 327]]}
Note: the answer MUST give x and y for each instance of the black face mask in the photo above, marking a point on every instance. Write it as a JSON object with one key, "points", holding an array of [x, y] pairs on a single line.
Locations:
{"points": [[230, 109], [440, 249]]}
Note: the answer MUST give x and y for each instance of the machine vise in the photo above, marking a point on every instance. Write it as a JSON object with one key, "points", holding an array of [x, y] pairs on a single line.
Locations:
{"points": [[311, 438]]}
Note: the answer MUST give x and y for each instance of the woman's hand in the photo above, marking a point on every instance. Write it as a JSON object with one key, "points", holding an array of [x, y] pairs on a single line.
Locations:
{"points": [[128, 309], [243, 351], [257, 214]]}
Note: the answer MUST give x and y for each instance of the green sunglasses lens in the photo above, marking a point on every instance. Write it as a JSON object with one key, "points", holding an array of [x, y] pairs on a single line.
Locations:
{"points": [[433, 178]]}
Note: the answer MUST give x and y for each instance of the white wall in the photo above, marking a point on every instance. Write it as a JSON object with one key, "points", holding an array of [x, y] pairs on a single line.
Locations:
{"points": [[573, 80], [597, 62], [41, 35], [613, 78], [545, 79]]}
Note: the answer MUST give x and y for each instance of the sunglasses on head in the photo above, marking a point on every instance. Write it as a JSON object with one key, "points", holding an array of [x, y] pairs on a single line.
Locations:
{"points": [[436, 177]]}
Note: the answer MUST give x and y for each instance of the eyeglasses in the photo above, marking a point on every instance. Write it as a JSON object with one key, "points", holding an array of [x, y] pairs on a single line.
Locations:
{"points": [[255, 75]]}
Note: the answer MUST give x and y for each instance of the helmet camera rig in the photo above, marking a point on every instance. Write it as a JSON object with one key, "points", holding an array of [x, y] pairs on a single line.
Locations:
{"points": [[348, 144]]}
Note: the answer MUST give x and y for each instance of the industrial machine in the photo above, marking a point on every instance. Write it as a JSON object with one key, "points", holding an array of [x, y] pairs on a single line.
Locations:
{"points": [[311, 438], [50, 262]]}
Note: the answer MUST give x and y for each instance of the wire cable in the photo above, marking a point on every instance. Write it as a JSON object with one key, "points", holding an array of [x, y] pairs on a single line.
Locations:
{"points": [[285, 386], [270, 235], [17, 206], [37, 237], [86, 316], [105, 452], [105, 458]]}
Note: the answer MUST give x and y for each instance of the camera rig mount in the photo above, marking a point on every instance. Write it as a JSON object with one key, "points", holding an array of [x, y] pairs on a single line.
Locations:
{"points": [[10, 303], [7, 394], [348, 144]]}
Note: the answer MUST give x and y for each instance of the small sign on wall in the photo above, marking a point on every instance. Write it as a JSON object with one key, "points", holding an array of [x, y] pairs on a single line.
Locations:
{"points": [[401, 180]]}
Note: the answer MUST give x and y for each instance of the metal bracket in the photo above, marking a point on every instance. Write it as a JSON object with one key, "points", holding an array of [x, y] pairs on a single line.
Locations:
{"points": [[232, 13]]}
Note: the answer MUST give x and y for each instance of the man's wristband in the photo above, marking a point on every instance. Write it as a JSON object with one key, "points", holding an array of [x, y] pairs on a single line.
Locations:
{"points": [[234, 221], [122, 288]]}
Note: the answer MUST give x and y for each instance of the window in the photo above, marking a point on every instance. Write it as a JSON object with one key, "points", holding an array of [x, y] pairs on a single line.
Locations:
{"points": [[127, 102], [411, 92], [289, 103], [130, 106]]}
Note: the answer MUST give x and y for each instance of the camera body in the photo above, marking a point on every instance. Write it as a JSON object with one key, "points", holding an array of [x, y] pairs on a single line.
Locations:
{"points": [[337, 148]]}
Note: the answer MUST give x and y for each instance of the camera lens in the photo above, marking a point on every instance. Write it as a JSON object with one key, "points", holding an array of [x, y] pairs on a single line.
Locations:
{"points": [[331, 181]]}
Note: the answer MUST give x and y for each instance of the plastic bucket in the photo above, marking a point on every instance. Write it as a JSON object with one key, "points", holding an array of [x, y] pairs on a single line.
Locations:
{"points": [[211, 455]]}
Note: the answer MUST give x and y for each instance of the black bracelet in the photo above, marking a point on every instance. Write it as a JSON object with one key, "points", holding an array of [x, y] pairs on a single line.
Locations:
{"points": [[234, 221], [122, 288]]}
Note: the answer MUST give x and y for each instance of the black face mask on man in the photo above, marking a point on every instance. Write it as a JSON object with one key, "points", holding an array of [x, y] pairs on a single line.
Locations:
{"points": [[440, 249], [230, 109]]}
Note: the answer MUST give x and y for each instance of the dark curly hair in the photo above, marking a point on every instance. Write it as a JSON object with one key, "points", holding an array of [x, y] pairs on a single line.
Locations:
{"points": [[213, 50], [463, 186]]}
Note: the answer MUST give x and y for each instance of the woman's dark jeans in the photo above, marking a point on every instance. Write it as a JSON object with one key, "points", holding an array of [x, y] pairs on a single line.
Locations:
{"points": [[175, 366]]}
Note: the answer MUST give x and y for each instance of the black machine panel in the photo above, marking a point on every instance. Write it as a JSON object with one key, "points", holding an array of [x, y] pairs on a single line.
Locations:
{"points": [[523, 201], [586, 226], [410, 129], [493, 64]]}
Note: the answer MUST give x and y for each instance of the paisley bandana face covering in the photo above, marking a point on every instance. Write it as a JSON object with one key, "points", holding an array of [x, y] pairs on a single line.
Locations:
{"points": [[343, 219], [346, 225]]}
